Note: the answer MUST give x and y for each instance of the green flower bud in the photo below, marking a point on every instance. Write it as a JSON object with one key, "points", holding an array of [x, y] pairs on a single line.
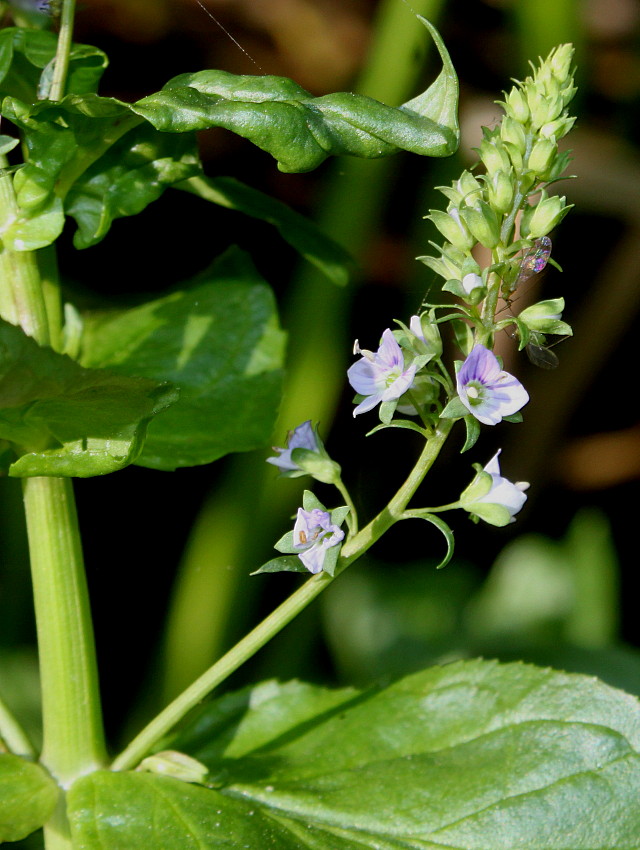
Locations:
{"points": [[468, 186], [513, 134], [500, 191], [493, 155], [544, 109], [483, 223], [559, 62], [452, 228], [448, 265], [542, 156], [539, 220], [516, 106], [546, 317], [557, 129]]}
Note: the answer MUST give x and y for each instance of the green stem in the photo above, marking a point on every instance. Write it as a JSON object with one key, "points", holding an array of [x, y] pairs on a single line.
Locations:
{"points": [[216, 674], [352, 516], [72, 723], [63, 52], [21, 303], [278, 619]]}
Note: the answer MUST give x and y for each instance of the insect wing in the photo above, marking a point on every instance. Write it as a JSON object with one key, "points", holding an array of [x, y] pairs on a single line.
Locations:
{"points": [[542, 357]]}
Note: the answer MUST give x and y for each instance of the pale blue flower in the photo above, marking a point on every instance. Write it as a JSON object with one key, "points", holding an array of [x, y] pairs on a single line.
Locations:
{"points": [[302, 437], [494, 499], [488, 392], [381, 376], [313, 535]]}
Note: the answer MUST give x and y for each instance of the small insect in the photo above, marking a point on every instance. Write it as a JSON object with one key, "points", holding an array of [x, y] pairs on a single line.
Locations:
{"points": [[532, 263]]}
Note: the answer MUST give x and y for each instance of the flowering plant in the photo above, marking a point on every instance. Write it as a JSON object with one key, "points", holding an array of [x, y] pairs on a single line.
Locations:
{"points": [[191, 376]]}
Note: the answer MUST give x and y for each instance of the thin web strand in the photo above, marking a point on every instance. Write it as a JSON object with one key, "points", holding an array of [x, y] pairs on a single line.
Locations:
{"points": [[228, 34]]}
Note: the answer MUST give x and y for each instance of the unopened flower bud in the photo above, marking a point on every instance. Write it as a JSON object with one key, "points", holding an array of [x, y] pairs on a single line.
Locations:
{"points": [[494, 156], [541, 156], [546, 317], [468, 186], [500, 191], [557, 129], [516, 106], [483, 223], [559, 61], [512, 133], [539, 220], [452, 228]]}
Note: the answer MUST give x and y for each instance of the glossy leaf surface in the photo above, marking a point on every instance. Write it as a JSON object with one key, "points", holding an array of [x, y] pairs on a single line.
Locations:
{"points": [[27, 797], [473, 756], [301, 131], [67, 420], [219, 342]]}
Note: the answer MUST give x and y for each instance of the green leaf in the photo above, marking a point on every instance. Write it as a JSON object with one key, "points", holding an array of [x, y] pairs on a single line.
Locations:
{"points": [[472, 755], [28, 797], [133, 173], [26, 53], [67, 420], [441, 525], [301, 131], [289, 564], [400, 423], [473, 432], [220, 343], [300, 232]]}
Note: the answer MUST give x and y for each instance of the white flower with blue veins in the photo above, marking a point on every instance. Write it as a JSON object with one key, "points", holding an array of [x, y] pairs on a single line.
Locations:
{"points": [[381, 376], [486, 390]]}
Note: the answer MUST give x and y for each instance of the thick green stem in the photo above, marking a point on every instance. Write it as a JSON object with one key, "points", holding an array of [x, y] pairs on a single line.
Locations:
{"points": [[278, 619], [72, 722]]}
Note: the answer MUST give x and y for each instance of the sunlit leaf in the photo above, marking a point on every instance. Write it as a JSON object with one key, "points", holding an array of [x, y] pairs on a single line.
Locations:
{"points": [[220, 343], [471, 756], [66, 420]]}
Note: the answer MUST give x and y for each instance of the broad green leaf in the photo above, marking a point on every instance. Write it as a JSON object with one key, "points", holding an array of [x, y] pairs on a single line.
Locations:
{"points": [[133, 173], [28, 797], [66, 420], [473, 756], [301, 131], [300, 232], [85, 153], [220, 343], [25, 53]]}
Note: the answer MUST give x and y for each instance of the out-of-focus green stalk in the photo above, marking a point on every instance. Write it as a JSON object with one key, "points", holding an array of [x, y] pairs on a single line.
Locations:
{"points": [[543, 24], [213, 583], [594, 620]]}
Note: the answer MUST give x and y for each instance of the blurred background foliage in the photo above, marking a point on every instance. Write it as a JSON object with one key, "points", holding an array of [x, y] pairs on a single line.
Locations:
{"points": [[168, 555]]}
